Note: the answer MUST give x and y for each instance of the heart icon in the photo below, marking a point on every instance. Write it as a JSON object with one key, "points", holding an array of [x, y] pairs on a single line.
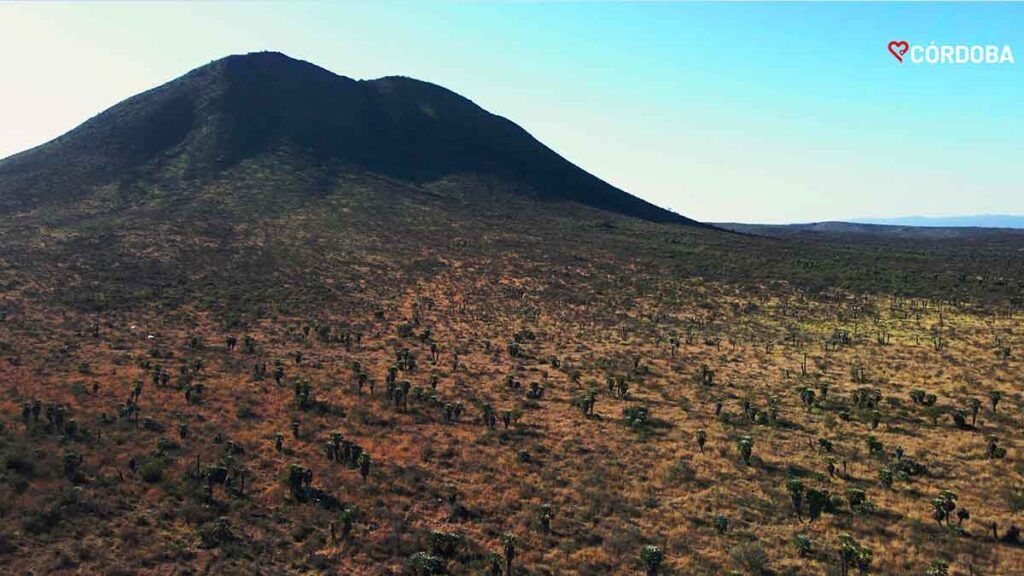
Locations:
{"points": [[898, 48]]}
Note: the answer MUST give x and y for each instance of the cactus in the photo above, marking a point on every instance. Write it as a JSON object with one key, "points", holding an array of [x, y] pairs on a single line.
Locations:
{"points": [[364, 465], [721, 524], [975, 406], [875, 445], [72, 462], [994, 397], [652, 557], [214, 475], [347, 518], [508, 543], [817, 502], [796, 493], [745, 445], [852, 555], [993, 450], [299, 480], [807, 397], [545, 515]]}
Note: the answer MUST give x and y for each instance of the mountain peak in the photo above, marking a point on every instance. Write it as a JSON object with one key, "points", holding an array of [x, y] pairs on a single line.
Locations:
{"points": [[244, 106], [262, 55]]}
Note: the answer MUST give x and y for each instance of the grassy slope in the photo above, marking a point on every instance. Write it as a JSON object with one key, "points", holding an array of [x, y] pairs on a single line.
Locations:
{"points": [[253, 254]]}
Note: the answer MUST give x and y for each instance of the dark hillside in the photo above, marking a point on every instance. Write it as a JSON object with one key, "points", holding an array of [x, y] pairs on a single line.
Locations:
{"points": [[240, 107]]}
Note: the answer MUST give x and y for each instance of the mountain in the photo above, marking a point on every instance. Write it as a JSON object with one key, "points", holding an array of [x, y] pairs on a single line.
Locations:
{"points": [[260, 184], [244, 109], [977, 221]]}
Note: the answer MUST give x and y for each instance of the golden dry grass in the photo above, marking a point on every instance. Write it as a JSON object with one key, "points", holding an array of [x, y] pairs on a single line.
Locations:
{"points": [[612, 489]]}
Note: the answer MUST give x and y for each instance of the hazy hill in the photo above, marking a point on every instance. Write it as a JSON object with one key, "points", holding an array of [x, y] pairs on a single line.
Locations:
{"points": [[864, 230], [976, 221], [246, 108]]}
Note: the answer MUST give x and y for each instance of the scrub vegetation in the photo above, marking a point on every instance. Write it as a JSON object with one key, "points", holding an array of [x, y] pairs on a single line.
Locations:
{"points": [[287, 366]]}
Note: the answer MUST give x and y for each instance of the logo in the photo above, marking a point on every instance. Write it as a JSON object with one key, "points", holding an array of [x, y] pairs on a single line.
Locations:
{"points": [[898, 48], [951, 53]]}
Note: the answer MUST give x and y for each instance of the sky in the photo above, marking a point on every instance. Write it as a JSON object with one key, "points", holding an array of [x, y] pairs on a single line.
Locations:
{"points": [[722, 112]]}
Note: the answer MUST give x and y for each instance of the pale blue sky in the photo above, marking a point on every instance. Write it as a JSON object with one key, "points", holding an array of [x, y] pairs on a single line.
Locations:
{"points": [[748, 112]]}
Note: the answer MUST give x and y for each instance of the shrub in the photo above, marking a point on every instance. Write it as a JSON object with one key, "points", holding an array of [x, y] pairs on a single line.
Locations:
{"points": [[216, 533], [636, 417], [423, 564], [1012, 535], [803, 544], [152, 470], [817, 502], [852, 554], [751, 556], [20, 463], [885, 476], [681, 471], [858, 500], [6, 545], [1015, 498], [444, 544]]}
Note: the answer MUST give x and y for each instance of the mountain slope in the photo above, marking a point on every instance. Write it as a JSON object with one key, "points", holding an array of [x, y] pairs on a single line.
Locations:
{"points": [[243, 107]]}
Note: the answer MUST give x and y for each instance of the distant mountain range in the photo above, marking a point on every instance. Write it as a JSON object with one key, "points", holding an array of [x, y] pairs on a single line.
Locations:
{"points": [[865, 231], [978, 221]]}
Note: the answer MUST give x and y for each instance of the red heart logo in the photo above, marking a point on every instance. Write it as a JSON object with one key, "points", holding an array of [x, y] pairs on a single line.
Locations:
{"points": [[898, 48]]}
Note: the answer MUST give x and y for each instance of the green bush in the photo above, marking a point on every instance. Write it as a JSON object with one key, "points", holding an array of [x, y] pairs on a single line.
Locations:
{"points": [[216, 533], [751, 556], [636, 417], [152, 470]]}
